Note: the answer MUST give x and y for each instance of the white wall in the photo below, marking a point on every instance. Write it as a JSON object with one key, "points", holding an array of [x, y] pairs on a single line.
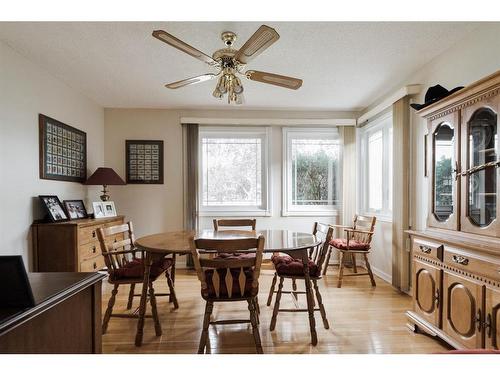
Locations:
{"points": [[156, 208], [26, 91], [466, 62]]}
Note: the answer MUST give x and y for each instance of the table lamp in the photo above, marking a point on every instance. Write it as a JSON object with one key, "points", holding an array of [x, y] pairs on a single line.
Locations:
{"points": [[104, 176]]}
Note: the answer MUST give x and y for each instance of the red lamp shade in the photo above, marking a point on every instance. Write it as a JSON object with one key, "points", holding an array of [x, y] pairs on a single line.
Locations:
{"points": [[104, 176]]}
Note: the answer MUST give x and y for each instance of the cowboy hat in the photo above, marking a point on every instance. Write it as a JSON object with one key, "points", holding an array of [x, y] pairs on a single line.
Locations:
{"points": [[434, 94]]}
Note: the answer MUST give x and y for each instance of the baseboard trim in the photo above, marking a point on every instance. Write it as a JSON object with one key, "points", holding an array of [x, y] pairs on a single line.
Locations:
{"points": [[384, 276]]}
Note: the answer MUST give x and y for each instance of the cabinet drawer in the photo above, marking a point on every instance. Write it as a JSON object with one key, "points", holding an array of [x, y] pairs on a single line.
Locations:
{"points": [[92, 264], [87, 234], [89, 250], [428, 248], [485, 266]]}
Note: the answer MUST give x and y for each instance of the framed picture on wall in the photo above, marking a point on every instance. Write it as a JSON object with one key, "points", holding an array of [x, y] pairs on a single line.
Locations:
{"points": [[63, 151], [144, 161]]}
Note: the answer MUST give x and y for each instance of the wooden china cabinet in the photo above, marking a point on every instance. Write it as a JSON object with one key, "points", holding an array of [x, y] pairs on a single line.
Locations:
{"points": [[456, 259]]}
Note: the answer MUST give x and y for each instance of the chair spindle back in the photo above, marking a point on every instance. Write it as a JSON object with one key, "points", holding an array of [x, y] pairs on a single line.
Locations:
{"points": [[117, 254], [228, 267]]}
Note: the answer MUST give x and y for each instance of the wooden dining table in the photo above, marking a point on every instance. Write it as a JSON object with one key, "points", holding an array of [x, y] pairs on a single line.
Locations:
{"points": [[157, 246]]}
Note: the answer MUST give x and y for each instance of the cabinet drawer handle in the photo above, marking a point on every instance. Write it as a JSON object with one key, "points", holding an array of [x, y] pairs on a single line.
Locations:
{"points": [[93, 234], [95, 265], [93, 249], [425, 249], [436, 297], [487, 325], [460, 260], [479, 322]]}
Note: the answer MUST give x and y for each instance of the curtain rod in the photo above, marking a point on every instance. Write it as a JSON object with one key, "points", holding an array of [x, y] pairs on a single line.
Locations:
{"points": [[267, 121]]}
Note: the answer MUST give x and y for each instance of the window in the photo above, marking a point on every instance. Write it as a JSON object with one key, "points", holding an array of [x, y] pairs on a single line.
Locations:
{"points": [[234, 174], [375, 156], [311, 171]]}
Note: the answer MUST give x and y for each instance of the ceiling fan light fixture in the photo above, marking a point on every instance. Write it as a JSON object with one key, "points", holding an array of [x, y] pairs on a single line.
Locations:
{"points": [[230, 63], [237, 86], [217, 94]]}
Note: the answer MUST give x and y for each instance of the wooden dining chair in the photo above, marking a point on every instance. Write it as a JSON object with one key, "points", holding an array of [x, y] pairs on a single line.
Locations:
{"points": [[287, 267], [228, 279], [125, 267], [221, 223], [357, 241]]}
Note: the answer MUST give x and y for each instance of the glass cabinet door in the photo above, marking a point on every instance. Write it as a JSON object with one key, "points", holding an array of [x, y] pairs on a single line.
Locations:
{"points": [[444, 164], [480, 187], [443, 155]]}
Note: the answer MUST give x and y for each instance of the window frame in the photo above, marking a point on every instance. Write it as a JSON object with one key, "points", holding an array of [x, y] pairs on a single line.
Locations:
{"points": [[263, 132], [288, 209], [380, 123]]}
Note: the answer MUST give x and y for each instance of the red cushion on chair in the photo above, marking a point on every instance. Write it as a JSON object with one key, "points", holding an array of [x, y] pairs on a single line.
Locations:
{"points": [[285, 265], [236, 291], [134, 268], [341, 243]]}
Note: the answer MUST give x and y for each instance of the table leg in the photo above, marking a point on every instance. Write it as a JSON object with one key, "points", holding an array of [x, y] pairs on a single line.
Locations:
{"points": [[144, 296], [310, 299]]}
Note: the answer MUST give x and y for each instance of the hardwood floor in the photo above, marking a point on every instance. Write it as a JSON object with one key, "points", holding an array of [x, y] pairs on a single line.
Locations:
{"points": [[362, 320]]}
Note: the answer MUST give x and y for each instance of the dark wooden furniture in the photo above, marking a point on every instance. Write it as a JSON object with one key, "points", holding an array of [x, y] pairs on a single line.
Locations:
{"points": [[358, 241], [70, 246], [228, 279], [289, 268], [126, 268], [66, 317], [295, 244], [456, 259]]}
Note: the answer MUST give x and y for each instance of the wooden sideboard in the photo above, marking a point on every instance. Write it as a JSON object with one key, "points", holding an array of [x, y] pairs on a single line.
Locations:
{"points": [[456, 288], [66, 317], [456, 260], [70, 246]]}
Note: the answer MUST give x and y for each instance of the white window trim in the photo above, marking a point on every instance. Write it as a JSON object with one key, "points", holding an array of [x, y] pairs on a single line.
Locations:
{"points": [[361, 137], [287, 209], [235, 211]]}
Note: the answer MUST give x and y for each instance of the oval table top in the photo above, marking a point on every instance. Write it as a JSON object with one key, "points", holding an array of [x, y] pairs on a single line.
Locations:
{"points": [[179, 242]]}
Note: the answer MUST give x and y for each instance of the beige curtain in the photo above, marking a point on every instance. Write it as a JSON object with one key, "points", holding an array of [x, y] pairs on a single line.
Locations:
{"points": [[349, 175], [190, 146], [401, 194]]}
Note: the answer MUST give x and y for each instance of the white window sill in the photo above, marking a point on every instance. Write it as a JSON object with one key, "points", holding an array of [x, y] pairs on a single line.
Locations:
{"points": [[239, 213]]}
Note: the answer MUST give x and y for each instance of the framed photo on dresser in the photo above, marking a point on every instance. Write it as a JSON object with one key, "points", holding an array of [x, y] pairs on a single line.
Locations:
{"points": [[54, 207], [63, 151], [144, 162]]}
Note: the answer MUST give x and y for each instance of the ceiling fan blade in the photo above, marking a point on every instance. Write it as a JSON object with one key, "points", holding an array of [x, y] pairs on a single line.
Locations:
{"points": [[191, 81], [258, 42], [274, 79], [184, 47]]}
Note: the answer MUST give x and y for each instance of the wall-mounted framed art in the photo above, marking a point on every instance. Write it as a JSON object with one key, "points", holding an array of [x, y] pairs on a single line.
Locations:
{"points": [[144, 161], [63, 151]]}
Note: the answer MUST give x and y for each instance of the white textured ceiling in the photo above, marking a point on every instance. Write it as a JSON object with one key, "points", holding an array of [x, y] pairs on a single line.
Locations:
{"points": [[345, 66]]}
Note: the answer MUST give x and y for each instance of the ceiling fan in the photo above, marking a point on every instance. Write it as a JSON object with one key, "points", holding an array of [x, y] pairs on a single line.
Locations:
{"points": [[231, 62]]}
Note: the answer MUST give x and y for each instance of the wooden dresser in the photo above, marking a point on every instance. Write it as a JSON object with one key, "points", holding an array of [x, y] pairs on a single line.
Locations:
{"points": [[70, 246], [456, 259]]}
